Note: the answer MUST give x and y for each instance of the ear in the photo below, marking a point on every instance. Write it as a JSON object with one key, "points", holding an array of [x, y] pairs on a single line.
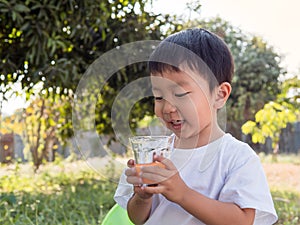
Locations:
{"points": [[222, 94]]}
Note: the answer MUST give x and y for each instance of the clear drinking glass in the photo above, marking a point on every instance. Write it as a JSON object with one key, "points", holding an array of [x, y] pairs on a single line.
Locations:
{"points": [[145, 147]]}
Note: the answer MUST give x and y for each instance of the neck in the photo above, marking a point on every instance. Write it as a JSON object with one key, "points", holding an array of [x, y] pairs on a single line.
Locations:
{"points": [[200, 140]]}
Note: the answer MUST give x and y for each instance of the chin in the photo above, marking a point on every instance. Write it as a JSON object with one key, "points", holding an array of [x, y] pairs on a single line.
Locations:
{"points": [[188, 135]]}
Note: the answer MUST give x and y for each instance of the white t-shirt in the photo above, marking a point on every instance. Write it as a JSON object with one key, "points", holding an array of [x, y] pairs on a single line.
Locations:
{"points": [[227, 170]]}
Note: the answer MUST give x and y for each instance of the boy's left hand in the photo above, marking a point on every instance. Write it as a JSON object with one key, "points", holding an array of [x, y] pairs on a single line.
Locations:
{"points": [[168, 180]]}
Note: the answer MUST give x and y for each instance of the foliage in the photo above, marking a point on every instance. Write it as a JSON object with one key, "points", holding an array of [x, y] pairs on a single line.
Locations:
{"points": [[287, 206], [290, 92], [275, 116], [269, 122], [45, 122], [54, 42], [257, 69], [12, 124], [74, 197]]}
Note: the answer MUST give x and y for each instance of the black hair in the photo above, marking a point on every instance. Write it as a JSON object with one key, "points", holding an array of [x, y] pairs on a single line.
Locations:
{"points": [[199, 49]]}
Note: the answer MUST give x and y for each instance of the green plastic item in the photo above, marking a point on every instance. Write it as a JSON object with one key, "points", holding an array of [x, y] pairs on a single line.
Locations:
{"points": [[117, 216]]}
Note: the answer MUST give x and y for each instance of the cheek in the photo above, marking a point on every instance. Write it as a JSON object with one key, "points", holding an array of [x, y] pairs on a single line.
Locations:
{"points": [[204, 112], [157, 110], [188, 107], [197, 109]]}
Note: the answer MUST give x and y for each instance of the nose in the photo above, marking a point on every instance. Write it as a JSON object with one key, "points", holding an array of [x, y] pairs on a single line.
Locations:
{"points": [[168, 107]]}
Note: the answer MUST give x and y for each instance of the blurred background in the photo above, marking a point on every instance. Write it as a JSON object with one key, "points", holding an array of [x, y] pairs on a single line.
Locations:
{"points": [[46, 46]]}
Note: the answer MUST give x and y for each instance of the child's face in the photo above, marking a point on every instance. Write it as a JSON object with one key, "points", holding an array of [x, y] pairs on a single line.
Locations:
{"points": [[184, 103]]}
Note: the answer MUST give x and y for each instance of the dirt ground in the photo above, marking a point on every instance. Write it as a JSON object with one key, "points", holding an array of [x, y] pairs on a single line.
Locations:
{"points": [[283, 176]]}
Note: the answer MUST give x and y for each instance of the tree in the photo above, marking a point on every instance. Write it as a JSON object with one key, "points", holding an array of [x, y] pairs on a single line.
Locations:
{"points": [[257, 69], [54, 42], [44, 119], [269, 122], [275, 116]]}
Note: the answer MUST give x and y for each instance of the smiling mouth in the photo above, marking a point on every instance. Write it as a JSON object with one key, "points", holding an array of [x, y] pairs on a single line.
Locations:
{"points": [[177, 124]]}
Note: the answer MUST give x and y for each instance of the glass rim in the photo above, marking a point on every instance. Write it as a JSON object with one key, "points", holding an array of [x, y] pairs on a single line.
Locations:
{"points": [[149, 137]]}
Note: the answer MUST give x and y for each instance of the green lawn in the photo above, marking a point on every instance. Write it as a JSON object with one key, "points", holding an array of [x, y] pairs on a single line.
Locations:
{"points": [[58, 195], [287, 205]]}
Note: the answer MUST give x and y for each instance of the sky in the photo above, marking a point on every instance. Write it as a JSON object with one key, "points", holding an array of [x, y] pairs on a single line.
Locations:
{"points": [[276, 21]]}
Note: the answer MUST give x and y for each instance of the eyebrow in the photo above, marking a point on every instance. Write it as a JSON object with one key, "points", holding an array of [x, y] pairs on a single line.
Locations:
{"points": [[155, 89], [182, 84]]}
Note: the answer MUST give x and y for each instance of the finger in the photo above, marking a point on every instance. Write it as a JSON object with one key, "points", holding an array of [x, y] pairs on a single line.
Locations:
{"points": [[136, 181], [141, 192], [130, 163], [157, 173], [153, 189], [150, 178], [156, 168], [167, 162], [131, 172]]}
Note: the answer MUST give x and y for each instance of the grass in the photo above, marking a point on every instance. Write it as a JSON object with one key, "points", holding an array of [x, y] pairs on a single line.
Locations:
{"points": [[282, 158], [79, 197], [59, 195], [287, 205]]}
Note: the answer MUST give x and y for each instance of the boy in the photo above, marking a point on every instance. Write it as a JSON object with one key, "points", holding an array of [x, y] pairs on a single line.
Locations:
{"points": [[211, 178]]}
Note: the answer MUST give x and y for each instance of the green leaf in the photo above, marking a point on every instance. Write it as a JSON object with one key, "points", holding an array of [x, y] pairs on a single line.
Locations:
{"points": [[21, 8], [52, 123], [14, 15], [10, 198]]}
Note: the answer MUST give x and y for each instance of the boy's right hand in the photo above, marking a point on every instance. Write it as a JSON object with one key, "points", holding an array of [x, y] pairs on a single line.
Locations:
{"points": [[134, 178]]}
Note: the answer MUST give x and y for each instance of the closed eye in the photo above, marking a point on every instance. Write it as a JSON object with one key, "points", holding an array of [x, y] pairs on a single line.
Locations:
{"points": [[158, 98], [182, 94]]}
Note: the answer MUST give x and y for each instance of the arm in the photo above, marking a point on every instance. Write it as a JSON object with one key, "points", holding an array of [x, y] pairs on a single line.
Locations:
{"points": [[139, 209], [207, 210], [211, 211], [139, 206]]}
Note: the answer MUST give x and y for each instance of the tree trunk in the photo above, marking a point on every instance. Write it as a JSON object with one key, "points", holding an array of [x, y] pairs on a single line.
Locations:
{"points": [[35, 154]]}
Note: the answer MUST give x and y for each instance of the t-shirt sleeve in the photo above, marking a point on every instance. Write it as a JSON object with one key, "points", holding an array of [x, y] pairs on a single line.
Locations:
{"points": [[124, 192], [246, 185]]}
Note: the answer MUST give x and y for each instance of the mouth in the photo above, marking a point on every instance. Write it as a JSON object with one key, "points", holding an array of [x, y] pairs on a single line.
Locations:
{"points": [[176, 124]]}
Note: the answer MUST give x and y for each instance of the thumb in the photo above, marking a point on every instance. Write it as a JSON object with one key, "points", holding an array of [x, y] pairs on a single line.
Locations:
{"points": [[167, 162]]}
